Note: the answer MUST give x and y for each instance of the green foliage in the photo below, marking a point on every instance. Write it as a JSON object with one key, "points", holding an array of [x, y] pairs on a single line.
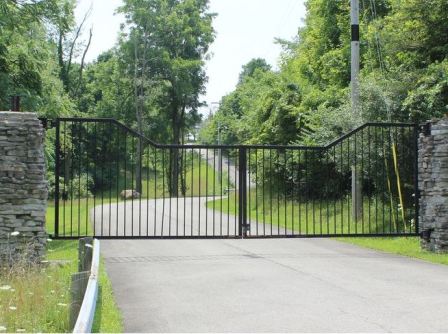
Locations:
{"points": [[404, 50], [250, 68], [264, 108], [27, 56], [164, 54]]}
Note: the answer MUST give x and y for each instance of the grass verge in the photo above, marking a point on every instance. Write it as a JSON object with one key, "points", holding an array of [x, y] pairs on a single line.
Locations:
{"points": [[402, 246], [37, 299]]}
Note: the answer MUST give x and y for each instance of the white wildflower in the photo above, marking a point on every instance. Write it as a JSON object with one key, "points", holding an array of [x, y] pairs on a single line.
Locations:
{"points": [[52, 292], [5, 287], [13, 308], [15, 233]]}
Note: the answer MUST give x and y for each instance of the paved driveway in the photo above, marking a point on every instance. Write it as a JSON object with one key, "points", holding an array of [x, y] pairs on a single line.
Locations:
{"points": [[278, 285]]}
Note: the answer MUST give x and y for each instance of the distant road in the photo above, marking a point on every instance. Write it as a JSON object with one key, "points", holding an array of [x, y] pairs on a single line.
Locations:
{"points": [[228, 166]]}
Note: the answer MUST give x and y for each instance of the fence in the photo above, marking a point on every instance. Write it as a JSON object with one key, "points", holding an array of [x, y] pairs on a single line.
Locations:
{"points": [[111, 182]]}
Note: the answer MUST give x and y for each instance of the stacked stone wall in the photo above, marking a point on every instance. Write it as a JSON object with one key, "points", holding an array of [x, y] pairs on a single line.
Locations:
{"points": [[433, 186], [23, 187]]}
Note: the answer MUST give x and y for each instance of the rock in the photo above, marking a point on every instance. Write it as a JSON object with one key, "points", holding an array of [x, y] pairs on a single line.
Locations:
{"points": [[129, 194]]}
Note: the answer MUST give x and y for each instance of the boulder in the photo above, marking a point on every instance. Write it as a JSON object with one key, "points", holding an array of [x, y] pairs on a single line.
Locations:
{"points": [[129, 194]]}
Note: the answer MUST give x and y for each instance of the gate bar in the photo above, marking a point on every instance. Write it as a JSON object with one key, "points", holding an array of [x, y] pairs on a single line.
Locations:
{"points": [[242, 192]]}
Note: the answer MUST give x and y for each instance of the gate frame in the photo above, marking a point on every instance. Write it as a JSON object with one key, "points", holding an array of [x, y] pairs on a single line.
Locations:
{"points": [[243, 226]]}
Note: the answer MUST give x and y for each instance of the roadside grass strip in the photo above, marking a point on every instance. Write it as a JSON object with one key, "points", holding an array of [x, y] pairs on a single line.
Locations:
{"points": [[37, 298], [406, 246]]}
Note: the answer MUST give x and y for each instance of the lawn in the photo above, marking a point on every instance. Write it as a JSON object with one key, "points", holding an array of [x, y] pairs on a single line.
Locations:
{"points": [[314, 217], [200, 180], [407, 246], [36, 299]]}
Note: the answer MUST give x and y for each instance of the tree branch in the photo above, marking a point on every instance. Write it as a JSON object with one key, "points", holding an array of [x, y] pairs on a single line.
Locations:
{"points": [[77, 34], [81, 69]]}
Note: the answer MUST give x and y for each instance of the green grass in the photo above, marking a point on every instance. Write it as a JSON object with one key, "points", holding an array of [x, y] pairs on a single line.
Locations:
{"points": [[409, 246], [318, 217], [199, 182], [38, 297], [107, 315], [74, 214], [200, 179]]}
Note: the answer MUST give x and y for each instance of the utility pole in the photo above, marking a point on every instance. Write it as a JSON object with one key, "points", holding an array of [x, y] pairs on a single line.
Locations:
{"points": [[354, 18], [219, 141], [356, 173], [219, 154]]}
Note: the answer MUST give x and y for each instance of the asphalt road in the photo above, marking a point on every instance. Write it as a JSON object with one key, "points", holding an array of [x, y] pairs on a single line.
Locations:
{"points": [[170, 218], [273, 285]]}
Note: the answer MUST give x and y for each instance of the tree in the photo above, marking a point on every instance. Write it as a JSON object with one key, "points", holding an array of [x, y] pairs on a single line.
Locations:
{"points": [[250, 67], [170, 39], [26, 54]]}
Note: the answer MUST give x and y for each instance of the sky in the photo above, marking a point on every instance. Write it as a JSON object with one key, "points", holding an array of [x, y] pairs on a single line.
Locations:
{"points": [[245, 29]]}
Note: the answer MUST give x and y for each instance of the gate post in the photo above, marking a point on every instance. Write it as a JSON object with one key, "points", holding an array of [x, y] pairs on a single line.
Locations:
{"points": [[56, 176], [433, 184], [242, 192]]}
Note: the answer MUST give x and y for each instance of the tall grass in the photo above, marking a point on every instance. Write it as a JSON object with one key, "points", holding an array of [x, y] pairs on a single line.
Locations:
{"points": [[36, 298]]}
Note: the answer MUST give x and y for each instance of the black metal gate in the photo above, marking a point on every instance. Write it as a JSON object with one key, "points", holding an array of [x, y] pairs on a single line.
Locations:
{"points": [[112, 182]]}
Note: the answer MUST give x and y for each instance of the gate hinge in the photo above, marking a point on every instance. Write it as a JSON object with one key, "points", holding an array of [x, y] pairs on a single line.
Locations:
{"points": [[47, 123], [52, 123], [426, 234], [426, 129], [44, 122]]}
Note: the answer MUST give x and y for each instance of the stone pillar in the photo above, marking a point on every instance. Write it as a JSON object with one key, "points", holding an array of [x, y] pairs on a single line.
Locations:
{"points": [[433, 186], [23, 187]]}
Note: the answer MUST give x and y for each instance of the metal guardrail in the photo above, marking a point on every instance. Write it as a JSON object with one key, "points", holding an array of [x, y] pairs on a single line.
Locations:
{"points": [[84, 288]]}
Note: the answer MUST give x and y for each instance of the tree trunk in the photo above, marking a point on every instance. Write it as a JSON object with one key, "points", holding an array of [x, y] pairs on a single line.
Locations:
{"points": [[174, 156], [183, 163], [138, 115]]}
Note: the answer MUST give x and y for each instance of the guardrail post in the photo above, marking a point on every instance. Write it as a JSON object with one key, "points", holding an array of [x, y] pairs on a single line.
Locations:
{"points": [[242, 192], [77, 291], [85, 249]]}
